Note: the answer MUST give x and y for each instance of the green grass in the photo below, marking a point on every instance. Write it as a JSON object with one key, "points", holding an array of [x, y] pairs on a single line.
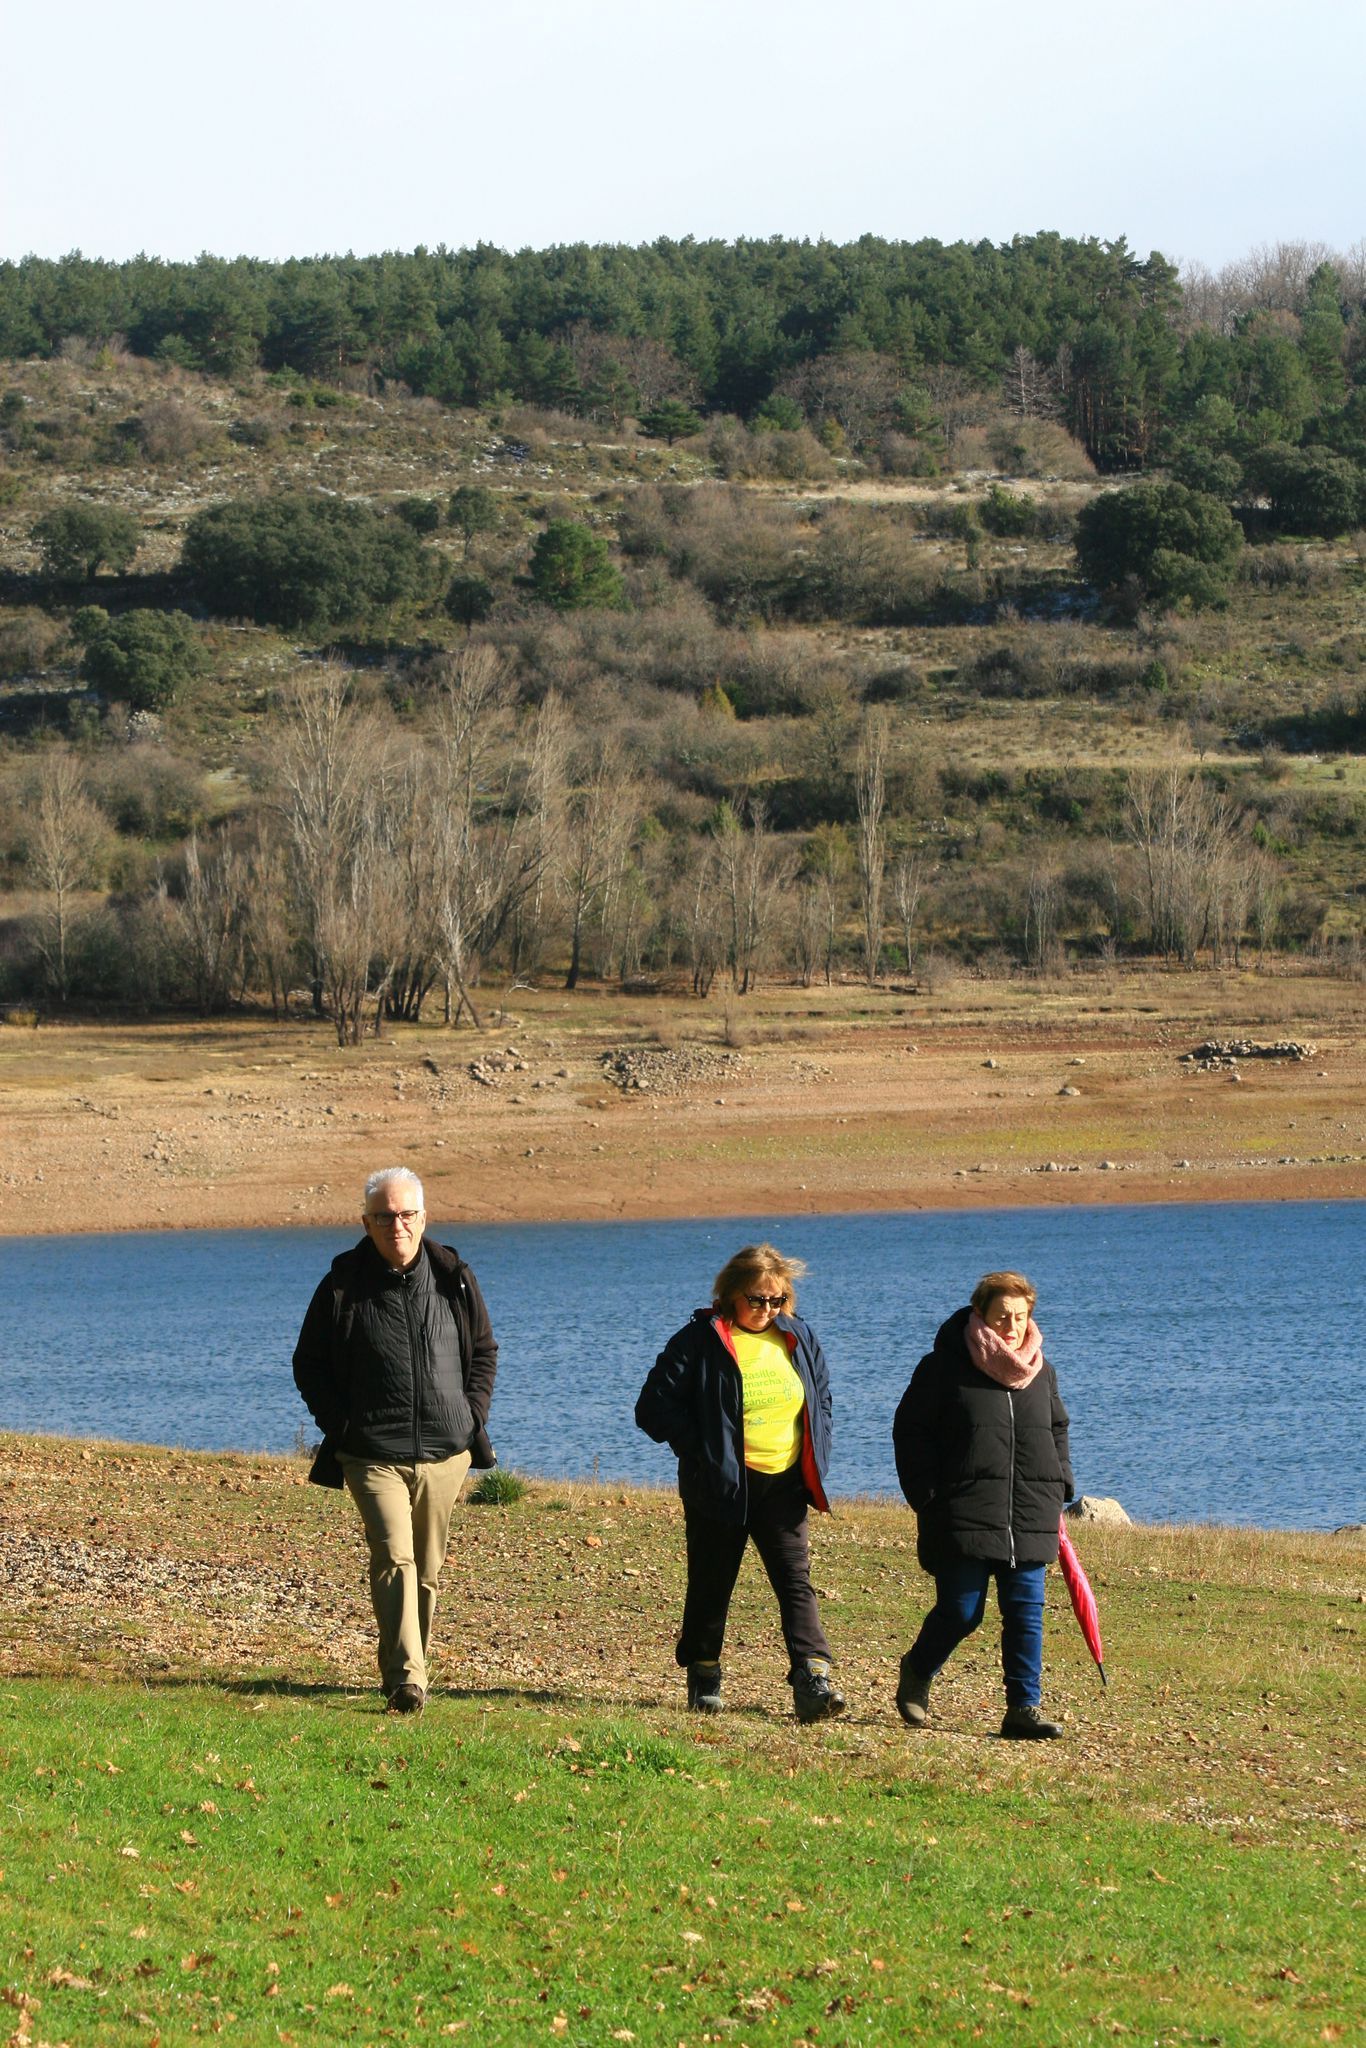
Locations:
{"points": [[296, 1866], [210, 1826]]}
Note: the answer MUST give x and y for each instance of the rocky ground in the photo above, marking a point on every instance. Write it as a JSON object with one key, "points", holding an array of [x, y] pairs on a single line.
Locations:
{"points": [[794, 1100]]}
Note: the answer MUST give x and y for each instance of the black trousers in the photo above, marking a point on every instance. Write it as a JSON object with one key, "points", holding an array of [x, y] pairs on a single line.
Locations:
{"points": [[776, 1521]]}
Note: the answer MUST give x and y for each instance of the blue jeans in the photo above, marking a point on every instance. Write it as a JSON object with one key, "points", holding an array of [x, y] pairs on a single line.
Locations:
{"points": [[960, 1603]]}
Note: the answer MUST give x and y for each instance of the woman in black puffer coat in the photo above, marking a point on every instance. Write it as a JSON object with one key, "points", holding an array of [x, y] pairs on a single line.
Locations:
{"points": [[982, 1455]]}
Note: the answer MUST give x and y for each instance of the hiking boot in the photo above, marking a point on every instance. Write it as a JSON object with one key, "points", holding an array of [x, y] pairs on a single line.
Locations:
{"points": [[704, 1688], [1028, 1724], [813, 1696], [912, 1695], [407, 1699]]}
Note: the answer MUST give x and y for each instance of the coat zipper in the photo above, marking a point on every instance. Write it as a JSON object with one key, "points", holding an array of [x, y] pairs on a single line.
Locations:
{"points": [[1010, 1484], [415, 1353]]}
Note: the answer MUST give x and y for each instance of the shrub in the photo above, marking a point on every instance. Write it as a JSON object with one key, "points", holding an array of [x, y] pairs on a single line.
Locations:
{"points": [[1007, 514], [149, 791], [472, 509], [1167, 542], [76, 541], [792, 453], [28, 641], [305, 562], [143, 658], [778, 414], [1311, 490], [1206, 469], [1278, 567], [255, 432], [949, 518], [468, 599], [497, 1489], [167, 431], [906, 455], [423, 515]]}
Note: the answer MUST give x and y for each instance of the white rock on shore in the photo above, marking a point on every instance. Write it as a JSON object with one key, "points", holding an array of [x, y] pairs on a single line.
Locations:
{"points": [[1097, 1507]]}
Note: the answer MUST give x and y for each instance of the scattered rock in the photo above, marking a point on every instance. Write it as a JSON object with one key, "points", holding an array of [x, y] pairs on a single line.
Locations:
{"points": [[1224, 1052], [1069, 1090], [647, 1069], [493, 1068], [1098, 1507]]}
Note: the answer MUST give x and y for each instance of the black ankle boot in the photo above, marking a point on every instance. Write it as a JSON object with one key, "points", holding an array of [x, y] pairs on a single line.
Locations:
{"points": [[704, 1688]]}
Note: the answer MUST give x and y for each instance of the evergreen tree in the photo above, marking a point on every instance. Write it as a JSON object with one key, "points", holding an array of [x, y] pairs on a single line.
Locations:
{"points": [[77, 541], [572, 569]]}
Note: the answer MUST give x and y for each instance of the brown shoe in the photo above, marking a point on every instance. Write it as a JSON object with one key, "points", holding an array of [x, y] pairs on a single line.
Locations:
{"points": [[407, 1699]]}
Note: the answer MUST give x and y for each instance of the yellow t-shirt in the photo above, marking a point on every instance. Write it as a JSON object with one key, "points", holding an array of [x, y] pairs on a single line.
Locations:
{"points": [[774, 1400]]}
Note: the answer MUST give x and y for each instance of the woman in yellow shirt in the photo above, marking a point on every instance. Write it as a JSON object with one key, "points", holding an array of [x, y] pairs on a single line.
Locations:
{"points": [[741, 1396]]}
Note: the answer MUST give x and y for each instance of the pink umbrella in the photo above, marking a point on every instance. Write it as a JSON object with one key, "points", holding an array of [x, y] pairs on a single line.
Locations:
{"points": [[1082, 1598]]}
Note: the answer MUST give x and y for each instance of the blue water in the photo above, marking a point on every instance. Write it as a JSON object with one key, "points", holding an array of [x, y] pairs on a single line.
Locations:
{"points": [[1211, 1356]]}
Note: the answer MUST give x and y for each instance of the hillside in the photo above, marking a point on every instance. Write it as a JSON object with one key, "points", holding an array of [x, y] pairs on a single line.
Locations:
{"points": [[811, 714]]}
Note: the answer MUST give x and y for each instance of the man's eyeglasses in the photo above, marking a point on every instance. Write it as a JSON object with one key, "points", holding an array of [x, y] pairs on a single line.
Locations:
{"points": [[765, 1300], [392, 1216]]}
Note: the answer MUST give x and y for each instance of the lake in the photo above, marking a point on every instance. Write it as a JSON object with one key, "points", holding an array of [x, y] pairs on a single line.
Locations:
{"points": [[1210, 1355]]}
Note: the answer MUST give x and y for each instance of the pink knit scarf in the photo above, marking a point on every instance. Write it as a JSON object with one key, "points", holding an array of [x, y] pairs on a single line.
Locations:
{"points": [[995, 1358]]}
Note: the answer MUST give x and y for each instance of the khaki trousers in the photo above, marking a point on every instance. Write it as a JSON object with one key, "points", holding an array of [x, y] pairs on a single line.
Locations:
{"points": [[406, 1510]]}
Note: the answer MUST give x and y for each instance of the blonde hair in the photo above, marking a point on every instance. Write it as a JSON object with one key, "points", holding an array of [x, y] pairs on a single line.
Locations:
{"points": [[749, 1264], [992, 1284]]}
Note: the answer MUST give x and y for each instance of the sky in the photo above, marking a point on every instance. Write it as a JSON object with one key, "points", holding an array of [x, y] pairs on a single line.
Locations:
{"points": [[1203, 128]]}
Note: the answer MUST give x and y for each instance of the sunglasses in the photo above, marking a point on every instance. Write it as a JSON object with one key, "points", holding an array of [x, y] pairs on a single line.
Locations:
{"points": [[765, 1300], [392, 1216]]}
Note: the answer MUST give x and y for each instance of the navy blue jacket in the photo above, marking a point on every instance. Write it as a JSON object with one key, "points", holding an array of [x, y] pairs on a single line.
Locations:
{"points": [[694, 1402], [986, 1467]]}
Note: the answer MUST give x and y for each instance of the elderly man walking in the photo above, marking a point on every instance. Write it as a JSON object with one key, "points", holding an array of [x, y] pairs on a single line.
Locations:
{"points": [[396, 1360]]}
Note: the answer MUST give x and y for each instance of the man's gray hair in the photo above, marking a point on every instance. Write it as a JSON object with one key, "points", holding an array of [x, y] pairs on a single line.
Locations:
{"points": [[387, 1174]]}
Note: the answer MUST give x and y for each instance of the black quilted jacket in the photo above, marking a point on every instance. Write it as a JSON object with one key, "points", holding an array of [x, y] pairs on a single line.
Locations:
{"points": [[986, 1467], [399, 1366]]}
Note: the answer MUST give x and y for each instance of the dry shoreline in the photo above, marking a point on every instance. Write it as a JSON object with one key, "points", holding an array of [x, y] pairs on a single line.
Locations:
{"points": [[599, 1106]]}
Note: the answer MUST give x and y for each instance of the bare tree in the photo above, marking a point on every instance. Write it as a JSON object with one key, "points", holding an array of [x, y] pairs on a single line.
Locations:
{"points": [[330, 767], [828, 862], [65, 854], [1187, 841], [545, 800], [870, 795], [752, 872], [268, 932], [1043, 901], [421, 814], [212, 916], [908, 876], [1031, 389], [1268, 894], [601, 815], [486, 858], [807, 925], [697, 914]]}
